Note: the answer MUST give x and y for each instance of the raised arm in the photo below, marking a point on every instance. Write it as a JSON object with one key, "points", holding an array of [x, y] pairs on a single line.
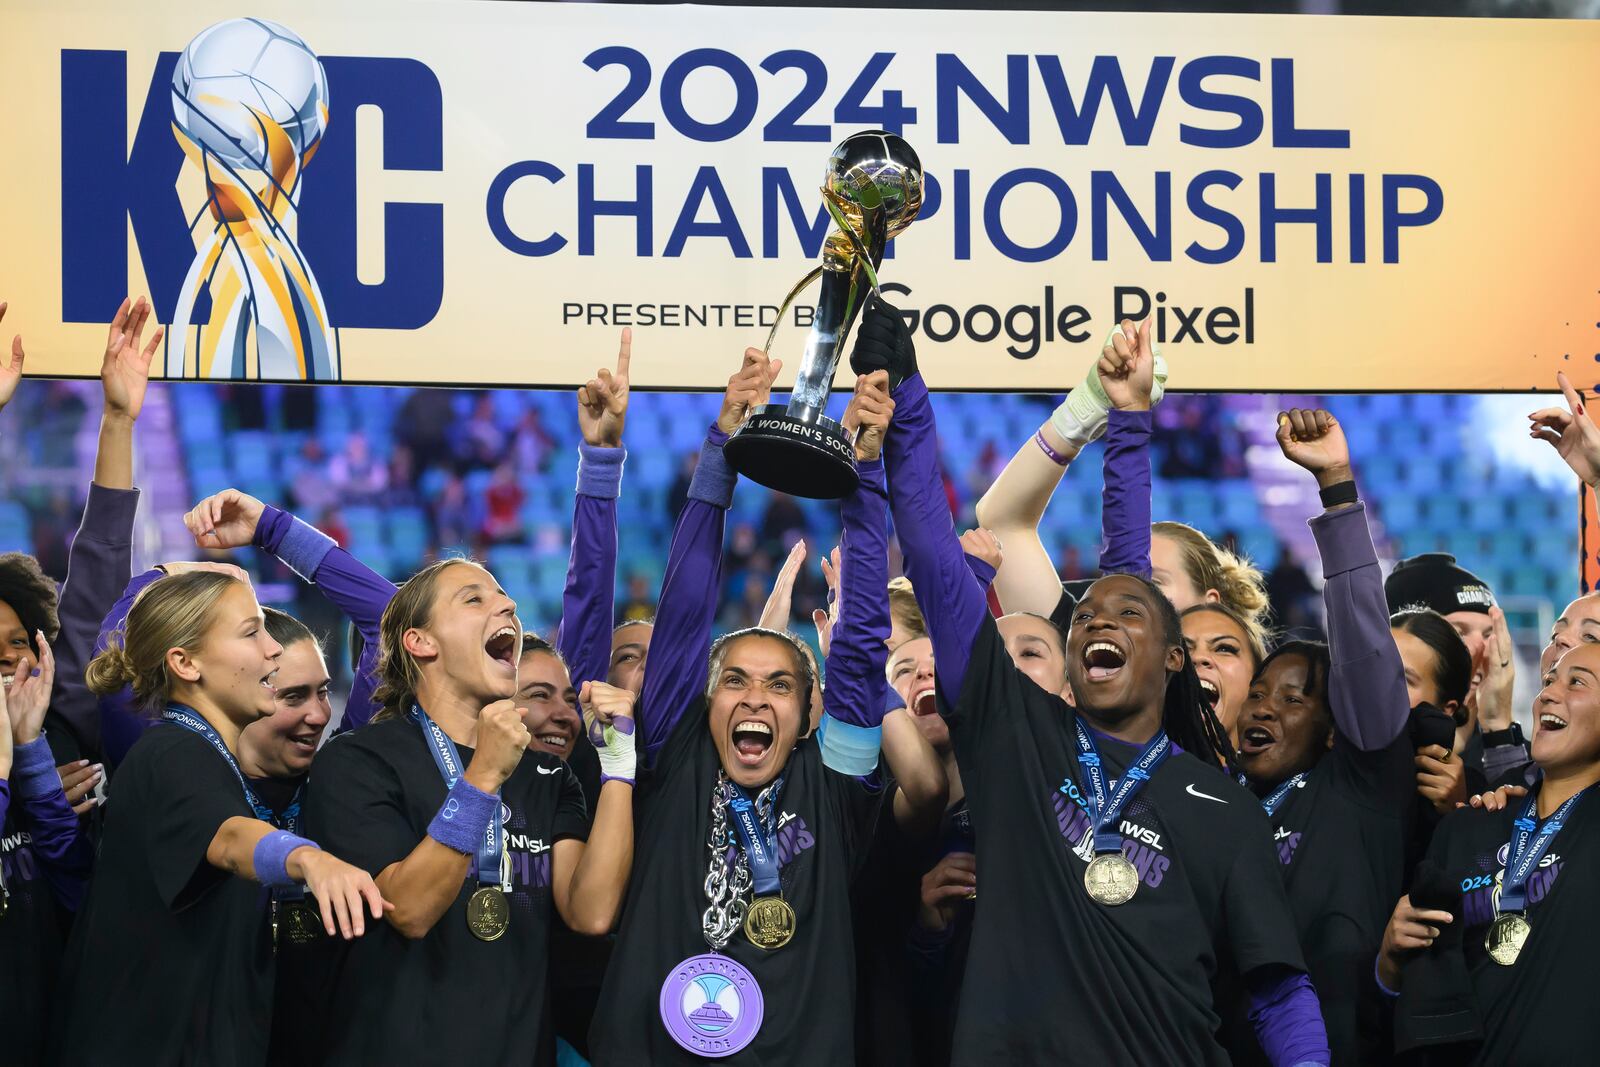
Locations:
{"points": [[853, 701], [65, 855], [588, 601], [1366, 683], [1127, 368], [231, 519], [675, 672], [953, 602], [101, 557]]}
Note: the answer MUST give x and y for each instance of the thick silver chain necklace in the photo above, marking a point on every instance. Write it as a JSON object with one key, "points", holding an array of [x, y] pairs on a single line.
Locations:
{"points": [[728, 884]]}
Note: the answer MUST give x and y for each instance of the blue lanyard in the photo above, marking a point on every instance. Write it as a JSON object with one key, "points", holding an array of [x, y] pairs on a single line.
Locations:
{"points": [[758, 841], [1274, 800], [448, 759], [191, 720], [1529, 842], [1103, 813]]}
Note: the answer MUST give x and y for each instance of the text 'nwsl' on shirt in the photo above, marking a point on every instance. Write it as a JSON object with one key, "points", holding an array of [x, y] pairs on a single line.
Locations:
{"points": [[170, 959], [1052, 975], [446, 997], [1533, 1013], [825, 824]]}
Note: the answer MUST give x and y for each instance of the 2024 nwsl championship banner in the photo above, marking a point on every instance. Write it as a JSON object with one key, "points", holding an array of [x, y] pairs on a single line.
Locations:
{"points": [[480, 192]]}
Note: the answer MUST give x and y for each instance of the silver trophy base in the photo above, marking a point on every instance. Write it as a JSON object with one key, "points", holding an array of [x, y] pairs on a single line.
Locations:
{"points": [[808, 459]]}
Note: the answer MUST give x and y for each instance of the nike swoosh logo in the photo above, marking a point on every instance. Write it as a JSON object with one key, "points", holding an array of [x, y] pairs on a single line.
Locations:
{"points": [[1192, 791], [553, 770]]}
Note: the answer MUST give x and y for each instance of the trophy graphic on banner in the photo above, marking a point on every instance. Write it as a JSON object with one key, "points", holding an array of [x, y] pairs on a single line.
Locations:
{"points": [[250, 105], [873, 190]]}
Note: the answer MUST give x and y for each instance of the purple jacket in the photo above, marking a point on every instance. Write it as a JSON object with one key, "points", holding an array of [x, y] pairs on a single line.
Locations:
{"points": [[588, 601], [356, 589], [64, 852], [675, 673]]}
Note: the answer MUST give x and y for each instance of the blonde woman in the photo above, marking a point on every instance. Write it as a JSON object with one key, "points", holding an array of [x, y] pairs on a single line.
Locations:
{"points": [[171, 959]]}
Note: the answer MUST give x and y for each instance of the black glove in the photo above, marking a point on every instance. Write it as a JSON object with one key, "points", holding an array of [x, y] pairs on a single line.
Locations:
{"points": [[883, 342]]}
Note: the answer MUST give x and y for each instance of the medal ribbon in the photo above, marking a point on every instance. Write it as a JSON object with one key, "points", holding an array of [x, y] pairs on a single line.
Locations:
{"points": [[1102, 812], [492, 853], [1274, 800], [191, 720], [760, 846], [1529, 842]]}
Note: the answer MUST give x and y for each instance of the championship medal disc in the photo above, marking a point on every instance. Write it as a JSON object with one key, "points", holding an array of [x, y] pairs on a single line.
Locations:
{"points": [[488, 914], [711, 1005], [1506, 936], [301, 923], [1111, 879], [769, 923]]}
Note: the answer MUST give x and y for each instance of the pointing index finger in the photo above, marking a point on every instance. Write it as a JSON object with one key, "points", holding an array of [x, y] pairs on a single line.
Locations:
{"points": [[624, 351]]}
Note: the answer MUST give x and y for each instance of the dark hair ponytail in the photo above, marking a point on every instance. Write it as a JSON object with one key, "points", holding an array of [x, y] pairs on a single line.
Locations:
{"points": [[1186, 715]]}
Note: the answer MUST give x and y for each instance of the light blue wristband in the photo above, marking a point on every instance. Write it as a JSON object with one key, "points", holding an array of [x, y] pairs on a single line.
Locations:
{"points": [[849, 749]]}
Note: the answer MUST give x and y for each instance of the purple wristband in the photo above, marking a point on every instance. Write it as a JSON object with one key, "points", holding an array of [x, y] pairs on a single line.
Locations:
{"points": [[463, 818], [1055, 457], [271, 855], [604, 778]]}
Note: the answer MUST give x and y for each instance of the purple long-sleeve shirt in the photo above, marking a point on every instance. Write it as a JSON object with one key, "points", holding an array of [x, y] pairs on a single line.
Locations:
{"points": [[588, 601], [858, 651], [1284, 1008], [1125, 494], [1366, 680], [64, 854], [675, 672], [97, 568], [357, 590]]}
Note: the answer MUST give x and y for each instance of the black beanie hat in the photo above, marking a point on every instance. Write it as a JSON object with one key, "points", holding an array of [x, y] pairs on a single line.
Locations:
{"points": [[1434, 580]]}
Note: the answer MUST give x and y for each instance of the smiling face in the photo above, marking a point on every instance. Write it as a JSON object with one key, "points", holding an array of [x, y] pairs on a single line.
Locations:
{"points": [[16, 649], [472, 640], [232, 668], [1566, 713], [1223, 660], [1578, 625], [757, 707], [910, 670], [1284, 726], [283, 744], [548, 702], [1119, 655], [630, 646]]}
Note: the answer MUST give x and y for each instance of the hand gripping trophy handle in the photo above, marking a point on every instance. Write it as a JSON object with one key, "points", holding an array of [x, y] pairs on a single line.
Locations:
{"points": [[873, 191]]}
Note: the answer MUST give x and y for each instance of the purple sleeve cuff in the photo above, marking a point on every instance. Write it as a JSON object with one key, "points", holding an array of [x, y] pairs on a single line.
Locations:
{"points": [[463, 818], [980, 570], [272, 854], [1343, 540], [109, 511], [713, 479], [1378, 978], [1288, 1020], [33, 769], [1125, 517], [600, 471], [298, 544]]}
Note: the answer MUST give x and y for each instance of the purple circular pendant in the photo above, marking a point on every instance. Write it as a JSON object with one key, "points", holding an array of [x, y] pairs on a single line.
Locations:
{"points": [[711, 1005]]}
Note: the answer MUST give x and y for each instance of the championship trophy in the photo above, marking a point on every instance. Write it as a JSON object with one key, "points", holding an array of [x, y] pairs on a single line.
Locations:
{"points": [[873, 190]]}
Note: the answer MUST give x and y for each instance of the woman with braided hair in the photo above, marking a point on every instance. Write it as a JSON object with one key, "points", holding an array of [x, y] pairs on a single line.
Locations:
{"points": [[1119, 865]]}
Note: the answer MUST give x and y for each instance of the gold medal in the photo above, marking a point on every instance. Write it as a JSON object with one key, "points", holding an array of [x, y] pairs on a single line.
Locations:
{"points": [[769, 922], [488, 913], [1111, 879], [1506, 936], [302, 925]]}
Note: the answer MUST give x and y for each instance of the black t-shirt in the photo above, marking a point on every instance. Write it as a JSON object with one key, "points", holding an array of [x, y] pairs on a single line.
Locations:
{"points": [[170, 959], [1053, 976], [32, 936], [1341, 839], [446, 997], [808, 986], [908, 979], [1534, 1012]]}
